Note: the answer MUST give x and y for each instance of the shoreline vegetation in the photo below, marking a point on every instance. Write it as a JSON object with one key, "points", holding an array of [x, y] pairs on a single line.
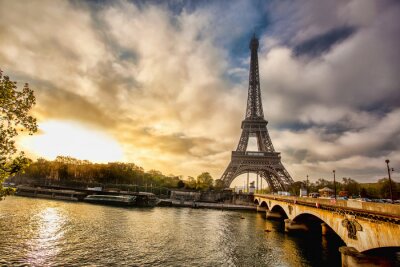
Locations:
{"points": [[71, 172]]}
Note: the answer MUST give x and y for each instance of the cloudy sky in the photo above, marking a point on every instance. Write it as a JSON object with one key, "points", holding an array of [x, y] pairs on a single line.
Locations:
{"points": [[164, 84]]}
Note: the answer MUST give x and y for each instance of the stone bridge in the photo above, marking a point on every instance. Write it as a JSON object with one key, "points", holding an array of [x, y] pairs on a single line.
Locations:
{"points": [[363, 226]]}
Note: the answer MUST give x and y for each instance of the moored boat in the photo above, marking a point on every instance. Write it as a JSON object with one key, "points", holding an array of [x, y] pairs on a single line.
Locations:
{"points": [[145, 199], [120, 200], [28, 191]]}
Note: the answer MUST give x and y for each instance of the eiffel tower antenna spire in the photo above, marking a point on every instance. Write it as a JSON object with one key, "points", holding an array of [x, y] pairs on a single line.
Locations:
{"points": [[254, 105], [265, 161]]}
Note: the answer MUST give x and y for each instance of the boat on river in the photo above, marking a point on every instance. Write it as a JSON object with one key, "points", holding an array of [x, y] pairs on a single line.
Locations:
{"points": [[145, 199], [120, 200], [29, 191]]}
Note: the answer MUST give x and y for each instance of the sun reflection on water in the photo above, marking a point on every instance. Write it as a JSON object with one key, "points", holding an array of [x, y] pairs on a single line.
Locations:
{"points": [[44, 247]]}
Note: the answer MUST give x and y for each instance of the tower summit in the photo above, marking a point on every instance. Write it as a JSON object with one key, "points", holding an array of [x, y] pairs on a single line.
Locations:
{"points": [[265, 161], [254, 105]]}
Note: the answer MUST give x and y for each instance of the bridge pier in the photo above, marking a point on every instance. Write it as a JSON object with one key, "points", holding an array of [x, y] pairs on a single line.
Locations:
{"points": [[352, 258], [291, 225], [273, 215]]}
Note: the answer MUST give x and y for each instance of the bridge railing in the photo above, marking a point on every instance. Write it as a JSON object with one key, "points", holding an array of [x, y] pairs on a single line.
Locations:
{"points": [[392, 210]]}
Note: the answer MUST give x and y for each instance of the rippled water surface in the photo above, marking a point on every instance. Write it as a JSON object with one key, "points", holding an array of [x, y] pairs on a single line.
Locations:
{"points": [[39, 232]]}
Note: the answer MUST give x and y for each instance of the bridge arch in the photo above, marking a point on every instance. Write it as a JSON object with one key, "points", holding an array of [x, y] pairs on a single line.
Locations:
{"points": [[314, 219], [281, 210], [315, 222], [264, 204], [269, 175]]}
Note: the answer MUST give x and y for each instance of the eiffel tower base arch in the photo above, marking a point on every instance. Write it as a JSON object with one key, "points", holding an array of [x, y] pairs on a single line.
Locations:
{"points": [[266, 164]]}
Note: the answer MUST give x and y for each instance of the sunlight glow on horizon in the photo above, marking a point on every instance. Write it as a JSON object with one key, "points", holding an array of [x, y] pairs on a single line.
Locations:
{"points": [[61, 138]]}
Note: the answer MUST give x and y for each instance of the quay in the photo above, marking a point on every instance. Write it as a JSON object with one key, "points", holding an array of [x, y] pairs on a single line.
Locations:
{"points": [[76, 194], [208, 205], [79, 195]]}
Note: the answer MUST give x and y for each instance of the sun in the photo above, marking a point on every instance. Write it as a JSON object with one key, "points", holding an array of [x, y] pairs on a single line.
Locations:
{"points": [[72, 139]]}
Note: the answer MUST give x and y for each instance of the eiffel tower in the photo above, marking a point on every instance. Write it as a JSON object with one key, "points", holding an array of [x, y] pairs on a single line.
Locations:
{"points": [[266, 162]]}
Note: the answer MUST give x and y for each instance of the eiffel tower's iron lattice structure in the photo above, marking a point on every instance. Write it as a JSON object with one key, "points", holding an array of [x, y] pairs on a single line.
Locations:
{"points": [[265, 162]]}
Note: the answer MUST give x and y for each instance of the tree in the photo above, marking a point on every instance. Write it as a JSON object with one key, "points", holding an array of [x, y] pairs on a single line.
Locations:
{"points": [[384, 186], [219, 185], [181, 184], [295, 188], [321, 183], [14, 108], [204, 181], [190, 183], [351, 186]]}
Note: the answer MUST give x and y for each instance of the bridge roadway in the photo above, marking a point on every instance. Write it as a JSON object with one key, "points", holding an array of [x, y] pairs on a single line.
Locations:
{"points": [[363, 226]]}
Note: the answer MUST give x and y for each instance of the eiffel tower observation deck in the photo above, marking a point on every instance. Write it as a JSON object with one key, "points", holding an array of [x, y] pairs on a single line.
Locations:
{"points": [[265, 162]]}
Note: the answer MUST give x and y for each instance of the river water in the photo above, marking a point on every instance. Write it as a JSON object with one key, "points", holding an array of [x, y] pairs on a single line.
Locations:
{"points": [[40, 232]]}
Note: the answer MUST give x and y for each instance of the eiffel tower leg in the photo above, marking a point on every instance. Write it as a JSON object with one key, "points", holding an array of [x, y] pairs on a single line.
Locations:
{"points": [[274, 183], [243, 142], [268, 177], [284, 177], [229, 175], [265, 141]]}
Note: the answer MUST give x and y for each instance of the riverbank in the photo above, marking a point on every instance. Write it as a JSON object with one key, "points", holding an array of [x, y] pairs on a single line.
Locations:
{"points": [[79, 195], [206, 205]]}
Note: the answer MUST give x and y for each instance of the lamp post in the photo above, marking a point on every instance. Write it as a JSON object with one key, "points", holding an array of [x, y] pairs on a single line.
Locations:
{"points": [[334, 183], [390, 180], [247, 186], [307, 185]]}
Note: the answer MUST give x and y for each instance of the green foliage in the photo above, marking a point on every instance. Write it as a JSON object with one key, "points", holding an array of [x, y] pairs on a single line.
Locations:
{"points": [[68, 171], [295, 187], [190, 183], [384, 188], [204, 181], [14, 108], [321, 183], [369, 190], [351, 186], [219, 184], [181, 184]]}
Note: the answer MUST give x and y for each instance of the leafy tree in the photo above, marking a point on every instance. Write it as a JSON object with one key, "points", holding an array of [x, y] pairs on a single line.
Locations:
{"points": [[295, 188], [14, 107], [321, 183], [204, 181], [384, 186], [191, 183], [68, 171], [351, 186], [219, 184], [364, 192], [181, 184]]}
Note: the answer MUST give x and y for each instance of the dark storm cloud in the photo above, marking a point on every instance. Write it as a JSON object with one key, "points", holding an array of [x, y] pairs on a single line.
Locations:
{"points": [[64, 105], [323, 43]]}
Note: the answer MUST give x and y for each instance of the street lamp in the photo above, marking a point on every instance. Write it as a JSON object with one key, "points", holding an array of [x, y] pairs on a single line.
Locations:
{"points": [[334, 182], [390, 180], [307, 185]]}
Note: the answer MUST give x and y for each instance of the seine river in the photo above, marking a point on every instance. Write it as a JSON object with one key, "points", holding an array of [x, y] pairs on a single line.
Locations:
{"points": [[39, 232]]}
